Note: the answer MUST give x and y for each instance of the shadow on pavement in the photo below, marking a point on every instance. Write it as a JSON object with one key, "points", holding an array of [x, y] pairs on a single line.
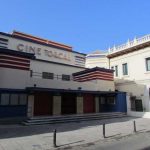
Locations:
{"points": [[10, 131]]}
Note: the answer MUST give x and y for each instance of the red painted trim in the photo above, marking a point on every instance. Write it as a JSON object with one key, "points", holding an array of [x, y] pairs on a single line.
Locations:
{"points": [[14, 67], [3, 63], [41, 40], [95, 75], [14, 63], [14, 58], [100, 72], [89, 79]]}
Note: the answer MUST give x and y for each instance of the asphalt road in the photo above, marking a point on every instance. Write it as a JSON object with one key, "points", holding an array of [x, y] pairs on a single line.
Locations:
{"points": [[138, 141]]}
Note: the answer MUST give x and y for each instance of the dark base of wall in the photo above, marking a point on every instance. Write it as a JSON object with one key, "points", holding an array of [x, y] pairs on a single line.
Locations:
{"points": [[12, 120]]}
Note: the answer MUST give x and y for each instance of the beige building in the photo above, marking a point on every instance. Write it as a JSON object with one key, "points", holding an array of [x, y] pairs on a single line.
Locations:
{"points": [[97, 58]]}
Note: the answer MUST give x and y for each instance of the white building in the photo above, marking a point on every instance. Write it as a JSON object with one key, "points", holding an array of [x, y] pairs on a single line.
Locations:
{"points": [[131, 62], [39, 77]]}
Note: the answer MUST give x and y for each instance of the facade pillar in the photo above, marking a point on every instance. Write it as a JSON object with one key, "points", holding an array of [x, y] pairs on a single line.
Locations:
{"points": [[30, 110], [97, 104], [79, 104], [57, 105]]}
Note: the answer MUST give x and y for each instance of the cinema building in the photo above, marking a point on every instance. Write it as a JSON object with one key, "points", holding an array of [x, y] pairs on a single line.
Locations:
{"points": [[39, 77], [131, 64]]}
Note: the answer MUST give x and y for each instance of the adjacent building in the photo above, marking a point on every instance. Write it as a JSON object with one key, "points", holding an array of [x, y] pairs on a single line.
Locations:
{"points": [[97, 59], [131, 65]]}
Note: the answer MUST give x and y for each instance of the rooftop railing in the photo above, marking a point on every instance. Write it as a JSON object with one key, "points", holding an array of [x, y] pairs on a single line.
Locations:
{"points": [[129, 44]]}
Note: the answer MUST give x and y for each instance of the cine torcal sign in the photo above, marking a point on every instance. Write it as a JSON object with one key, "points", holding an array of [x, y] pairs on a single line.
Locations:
{"points": [[41, 51]]}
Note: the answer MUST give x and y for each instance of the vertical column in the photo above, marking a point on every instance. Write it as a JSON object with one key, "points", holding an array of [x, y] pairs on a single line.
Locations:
{"points": [[57, 105], [30, 111], [96, 104], [128, 101], [79, 104]]}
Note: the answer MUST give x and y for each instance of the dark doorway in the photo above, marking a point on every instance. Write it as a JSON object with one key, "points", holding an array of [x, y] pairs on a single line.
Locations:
{"points": [[138, 104], [43, 103], [88, 103], [68, 103]]}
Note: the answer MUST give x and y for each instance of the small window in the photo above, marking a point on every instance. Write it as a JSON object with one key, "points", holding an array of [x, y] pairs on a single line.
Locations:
{"points": [[14, 99], [116, 71], [125, 69], [4, 99], [66, 77], [148, 64], [22, 99], [111, 100], [47, 75]]}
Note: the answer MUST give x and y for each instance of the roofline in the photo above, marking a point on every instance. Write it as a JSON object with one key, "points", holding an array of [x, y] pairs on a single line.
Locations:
{"points": [[129, 50], [29, 40], [36, 38]]}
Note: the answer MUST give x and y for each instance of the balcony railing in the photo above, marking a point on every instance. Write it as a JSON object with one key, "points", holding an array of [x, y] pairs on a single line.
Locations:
{"points": [[54, 77], [129, 44]]}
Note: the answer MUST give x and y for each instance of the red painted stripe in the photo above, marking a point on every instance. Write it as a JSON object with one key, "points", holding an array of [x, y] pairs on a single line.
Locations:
{"points": [[42, 40], [94, 72], [94, 78], [3, 63], [13, 67], [14, 62], [14, 58]]}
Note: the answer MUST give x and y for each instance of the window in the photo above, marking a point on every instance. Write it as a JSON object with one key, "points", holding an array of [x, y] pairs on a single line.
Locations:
{"points": [[47, 75], [111, 100], [66, 77], [4, 99], [116, 71], [125, 69], [14, 99], [22, 99], [148, 64]]}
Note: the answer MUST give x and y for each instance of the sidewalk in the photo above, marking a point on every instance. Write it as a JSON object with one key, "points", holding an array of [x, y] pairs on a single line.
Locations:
{"points": [[17, 137]]}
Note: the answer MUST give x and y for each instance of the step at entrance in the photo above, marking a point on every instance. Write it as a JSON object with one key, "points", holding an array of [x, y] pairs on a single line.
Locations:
{"points": [[72, 118]]}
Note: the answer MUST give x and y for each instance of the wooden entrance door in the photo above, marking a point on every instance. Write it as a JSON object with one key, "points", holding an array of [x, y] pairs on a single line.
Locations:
{"points": [[68, 104], [88, 103], [43, 104]]}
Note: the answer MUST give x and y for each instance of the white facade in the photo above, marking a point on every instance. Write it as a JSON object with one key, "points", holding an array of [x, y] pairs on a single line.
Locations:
{"points": [[43, 78], [57, 61]]}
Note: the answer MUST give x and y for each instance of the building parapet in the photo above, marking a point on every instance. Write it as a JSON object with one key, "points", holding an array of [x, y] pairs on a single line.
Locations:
{"points": [[130, 44]]}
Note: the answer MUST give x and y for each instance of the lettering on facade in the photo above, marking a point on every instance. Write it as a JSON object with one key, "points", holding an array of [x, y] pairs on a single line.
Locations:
{"points": [[45, 52]]}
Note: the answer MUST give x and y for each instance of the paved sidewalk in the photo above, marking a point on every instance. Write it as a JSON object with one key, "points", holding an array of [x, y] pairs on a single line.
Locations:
{"points": [[17, 137]]}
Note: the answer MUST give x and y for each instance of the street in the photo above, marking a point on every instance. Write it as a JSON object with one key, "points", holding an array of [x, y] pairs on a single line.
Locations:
{"points": [[86, 135]]}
